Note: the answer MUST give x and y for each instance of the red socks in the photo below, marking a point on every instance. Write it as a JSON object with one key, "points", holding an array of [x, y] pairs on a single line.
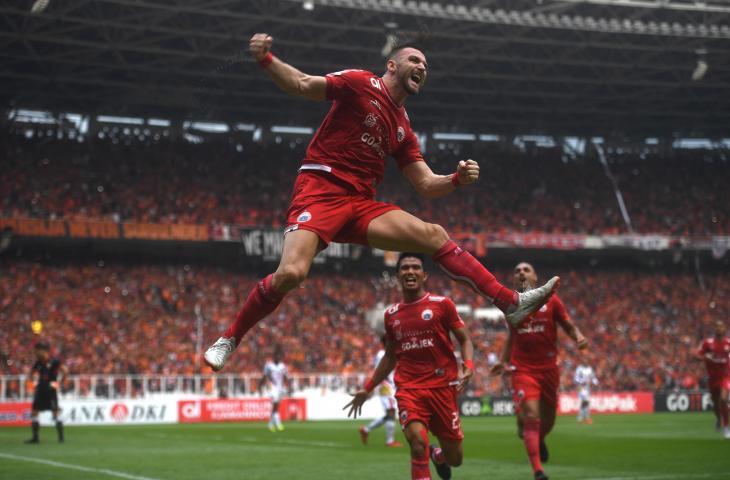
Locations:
{"points": [[419, 469], [460, 265], [262, 300], [531, 434]]}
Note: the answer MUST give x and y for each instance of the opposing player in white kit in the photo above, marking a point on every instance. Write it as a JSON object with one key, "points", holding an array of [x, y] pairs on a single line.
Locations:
{"points": [[386, 395], [585, 377], [275, 373]]}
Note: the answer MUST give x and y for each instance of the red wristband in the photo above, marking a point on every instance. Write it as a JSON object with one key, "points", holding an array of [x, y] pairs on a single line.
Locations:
{"points": [[369, 385], [266, 61], [469, 364], [455, 180]]}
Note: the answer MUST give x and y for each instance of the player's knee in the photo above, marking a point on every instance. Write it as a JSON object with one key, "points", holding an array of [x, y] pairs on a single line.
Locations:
{"points": [[288, 277], [418, 449], [531, 415], [419, 446], [436, 233]]}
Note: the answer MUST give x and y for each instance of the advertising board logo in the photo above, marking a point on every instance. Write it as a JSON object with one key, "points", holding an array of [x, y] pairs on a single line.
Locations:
{"points": [[190, 410], [119, 412]]}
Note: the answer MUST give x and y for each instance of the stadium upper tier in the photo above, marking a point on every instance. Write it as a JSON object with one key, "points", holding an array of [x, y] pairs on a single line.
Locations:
{"points": [[683, 192], [119, 319]]}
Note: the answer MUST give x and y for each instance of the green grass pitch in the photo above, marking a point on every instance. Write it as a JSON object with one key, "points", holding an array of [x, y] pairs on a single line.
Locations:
{"points": [[645, 447]]}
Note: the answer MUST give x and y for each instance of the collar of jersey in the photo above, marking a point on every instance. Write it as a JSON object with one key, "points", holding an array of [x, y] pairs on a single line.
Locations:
{"points": [[424, 297], [387, 94]]}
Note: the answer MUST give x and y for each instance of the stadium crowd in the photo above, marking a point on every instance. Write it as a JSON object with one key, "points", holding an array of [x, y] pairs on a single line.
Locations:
{"points": [[142, 319], [247, 183]]}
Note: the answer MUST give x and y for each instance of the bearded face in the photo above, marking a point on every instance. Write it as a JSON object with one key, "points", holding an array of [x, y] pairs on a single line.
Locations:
{"points": [[411, 69]]}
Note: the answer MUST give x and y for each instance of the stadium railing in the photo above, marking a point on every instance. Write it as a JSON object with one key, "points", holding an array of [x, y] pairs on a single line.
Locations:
{"points": [[95, 387]]}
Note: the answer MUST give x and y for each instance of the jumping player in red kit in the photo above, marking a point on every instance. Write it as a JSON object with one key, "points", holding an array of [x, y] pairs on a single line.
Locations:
{"points": [[427, 378], [715, 351], [531, 355], [333, 197]]}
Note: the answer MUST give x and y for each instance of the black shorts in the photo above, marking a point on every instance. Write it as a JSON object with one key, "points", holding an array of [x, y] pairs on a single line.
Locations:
{"points": [[45, 400]]}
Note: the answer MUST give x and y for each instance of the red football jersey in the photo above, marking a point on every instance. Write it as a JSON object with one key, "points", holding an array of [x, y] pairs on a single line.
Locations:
{"points": [[423, 348], [716, 355], [535, 342], [363, 126]]}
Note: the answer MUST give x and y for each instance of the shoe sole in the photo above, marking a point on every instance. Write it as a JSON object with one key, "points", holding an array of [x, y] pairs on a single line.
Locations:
{"points": [[538, 306]]}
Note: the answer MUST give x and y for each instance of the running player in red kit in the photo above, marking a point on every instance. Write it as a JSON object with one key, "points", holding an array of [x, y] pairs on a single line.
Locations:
{"points": [[427, 378], [333, 197], [715, 351], [531, 355]]}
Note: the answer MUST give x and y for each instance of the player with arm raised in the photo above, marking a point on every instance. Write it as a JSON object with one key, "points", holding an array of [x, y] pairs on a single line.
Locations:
{"points": [[531, 354], [47, 374], [418, 345], [715, 351], [276, 375], [585, 377], [333, 196], [386, 395]]}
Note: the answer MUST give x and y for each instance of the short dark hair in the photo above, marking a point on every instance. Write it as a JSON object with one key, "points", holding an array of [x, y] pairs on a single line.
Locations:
{"points": [[409, 255], [42, 346], [397, 48]]}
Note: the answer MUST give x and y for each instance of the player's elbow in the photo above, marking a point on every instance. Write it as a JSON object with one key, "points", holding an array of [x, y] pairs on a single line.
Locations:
{"points": [[425, 189], [307, 87]]}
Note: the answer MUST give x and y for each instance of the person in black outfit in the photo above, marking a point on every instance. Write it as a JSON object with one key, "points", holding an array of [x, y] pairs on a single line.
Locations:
{"points": [[45, 374]]}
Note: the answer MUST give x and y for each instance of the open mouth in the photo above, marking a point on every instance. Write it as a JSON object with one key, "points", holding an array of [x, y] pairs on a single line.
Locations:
{"points": [[416, 78], [409, 281]]}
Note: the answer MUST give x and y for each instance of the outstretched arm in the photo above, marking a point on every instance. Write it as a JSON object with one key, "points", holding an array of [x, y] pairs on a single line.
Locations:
{"points": [[385, 366], [286, 77], [700, 353], [573, 332], [431, 185], [503, 365], [467, 357]]}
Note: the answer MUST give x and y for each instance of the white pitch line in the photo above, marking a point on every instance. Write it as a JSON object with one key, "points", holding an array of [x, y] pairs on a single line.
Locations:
{"points": [[104, 471], [669, 476]]}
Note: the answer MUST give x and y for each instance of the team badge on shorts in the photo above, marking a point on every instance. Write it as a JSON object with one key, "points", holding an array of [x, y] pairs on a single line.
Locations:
{"points": [[403, 415], [427, 314], [304, 217], [401, 134], [521, 395]]}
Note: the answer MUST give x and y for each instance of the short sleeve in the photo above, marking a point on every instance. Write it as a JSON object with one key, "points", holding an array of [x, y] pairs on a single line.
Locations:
{"points": [[409, 152], [560, 314], [343, 84], [451, 316], [388, 330]]}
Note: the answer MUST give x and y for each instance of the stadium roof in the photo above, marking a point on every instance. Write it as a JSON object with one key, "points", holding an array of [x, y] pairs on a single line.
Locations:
{"points": [[559, 67]]}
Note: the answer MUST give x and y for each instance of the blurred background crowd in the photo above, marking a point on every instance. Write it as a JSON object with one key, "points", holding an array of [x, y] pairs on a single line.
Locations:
{"points": [[109, 318]]}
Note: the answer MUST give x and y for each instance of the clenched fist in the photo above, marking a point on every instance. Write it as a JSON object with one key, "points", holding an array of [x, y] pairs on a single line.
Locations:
{"points": [[260, 45], [467, 172]]}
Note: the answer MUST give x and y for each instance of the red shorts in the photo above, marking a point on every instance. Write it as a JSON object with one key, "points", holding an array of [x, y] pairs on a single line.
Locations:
{"points": [[333, 212], [436, 408], [537, 385], [717, 385]]}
